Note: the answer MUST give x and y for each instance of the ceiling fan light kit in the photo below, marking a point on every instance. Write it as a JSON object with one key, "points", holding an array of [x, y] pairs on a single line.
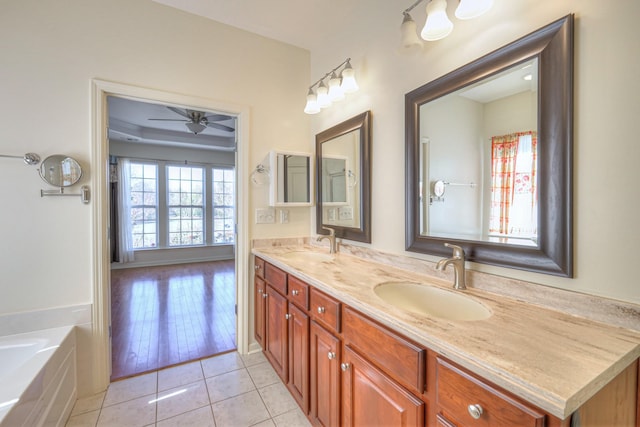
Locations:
{"points": [[198, 121]]}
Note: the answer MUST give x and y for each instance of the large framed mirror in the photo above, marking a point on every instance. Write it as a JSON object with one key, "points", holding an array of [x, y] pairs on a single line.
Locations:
{"points": [[489, 156], [343, 179]]}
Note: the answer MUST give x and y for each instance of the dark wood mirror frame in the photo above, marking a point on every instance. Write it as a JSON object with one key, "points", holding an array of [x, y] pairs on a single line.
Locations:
{"points": [[360, 122], [553, 46]]}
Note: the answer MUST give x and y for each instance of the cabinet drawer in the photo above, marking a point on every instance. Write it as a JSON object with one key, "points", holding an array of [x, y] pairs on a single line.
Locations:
{"points": [[325, 309], [298, 293], [401, 359], [258, 265], [276, 278], [458, 390]]}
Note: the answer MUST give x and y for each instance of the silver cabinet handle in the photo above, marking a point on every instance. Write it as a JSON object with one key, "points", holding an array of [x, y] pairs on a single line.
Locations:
{"points": [[257, 267], [475, 411], [320, 310], [265, 295], [344, 366], [287, 316], [295, 292], [331, 355], [260, 291]]}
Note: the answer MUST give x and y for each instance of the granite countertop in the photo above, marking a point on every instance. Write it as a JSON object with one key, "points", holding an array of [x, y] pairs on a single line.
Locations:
{"points": [[554, 360]]}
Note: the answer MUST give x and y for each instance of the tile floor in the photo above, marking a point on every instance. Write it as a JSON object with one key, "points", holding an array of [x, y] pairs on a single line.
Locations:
{"points": [[226, 390]]}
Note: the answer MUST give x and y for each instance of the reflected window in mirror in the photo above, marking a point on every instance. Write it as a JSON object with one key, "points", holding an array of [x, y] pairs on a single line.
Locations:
{"points": [[344, 179]]}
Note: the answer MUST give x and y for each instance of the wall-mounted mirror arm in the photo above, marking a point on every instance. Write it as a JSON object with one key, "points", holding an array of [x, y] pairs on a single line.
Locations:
{"points": [[84, 193], [31, 159]]}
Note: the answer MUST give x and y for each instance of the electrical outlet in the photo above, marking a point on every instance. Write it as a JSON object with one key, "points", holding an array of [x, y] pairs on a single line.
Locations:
{"points": [[284, 216], [346, 213], [265, 216]]}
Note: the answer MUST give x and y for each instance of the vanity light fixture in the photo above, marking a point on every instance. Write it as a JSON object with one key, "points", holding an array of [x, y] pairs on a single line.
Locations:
{"points": [[438, 25], [324, 96]]}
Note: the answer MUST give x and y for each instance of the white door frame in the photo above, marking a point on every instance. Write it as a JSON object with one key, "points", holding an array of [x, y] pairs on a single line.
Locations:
{"points": [[101, 360]]}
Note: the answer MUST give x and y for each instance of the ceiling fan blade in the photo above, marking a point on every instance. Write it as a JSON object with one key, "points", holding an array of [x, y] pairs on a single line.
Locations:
{"points": [[217, 117], [179, 111], [170, 120], [220, 127]]}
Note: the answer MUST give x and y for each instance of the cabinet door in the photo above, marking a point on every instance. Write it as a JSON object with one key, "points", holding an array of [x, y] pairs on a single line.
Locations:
{"points": [[259, 302], [325, 356], [371, 398], [299, 356], [276, 348]]}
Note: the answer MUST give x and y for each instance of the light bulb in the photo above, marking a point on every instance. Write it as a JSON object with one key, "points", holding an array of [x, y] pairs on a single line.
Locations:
{"points": [[323, 96], [349, 84], [312, 103], [410, 37], [469, 9], [438, 25], [335, 90]]}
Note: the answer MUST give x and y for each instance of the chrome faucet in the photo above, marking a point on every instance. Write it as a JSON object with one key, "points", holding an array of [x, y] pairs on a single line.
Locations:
{"points": [[333, 244], [457, 261]]}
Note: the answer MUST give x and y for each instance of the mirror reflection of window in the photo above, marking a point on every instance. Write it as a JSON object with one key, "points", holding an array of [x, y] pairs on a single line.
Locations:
{"points": [[514, 202]]}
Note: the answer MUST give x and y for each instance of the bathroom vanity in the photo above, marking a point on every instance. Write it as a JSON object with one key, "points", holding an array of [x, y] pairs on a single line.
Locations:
{"points": [[351, 358]]}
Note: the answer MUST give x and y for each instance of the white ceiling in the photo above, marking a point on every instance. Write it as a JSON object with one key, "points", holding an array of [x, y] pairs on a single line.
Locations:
{"points": [[302, 23]]}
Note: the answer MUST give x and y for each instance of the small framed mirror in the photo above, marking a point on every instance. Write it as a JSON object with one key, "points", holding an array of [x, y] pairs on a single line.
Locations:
{"points": [[343, 179], [290, 179], [60, 170]]}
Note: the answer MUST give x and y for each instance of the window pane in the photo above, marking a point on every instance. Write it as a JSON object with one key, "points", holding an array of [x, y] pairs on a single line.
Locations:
{"points": [[223, 201], [143, 217]]}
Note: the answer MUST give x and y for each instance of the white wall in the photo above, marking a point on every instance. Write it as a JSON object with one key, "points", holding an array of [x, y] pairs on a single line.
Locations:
{"points": [[49, 52], [607, 39]]}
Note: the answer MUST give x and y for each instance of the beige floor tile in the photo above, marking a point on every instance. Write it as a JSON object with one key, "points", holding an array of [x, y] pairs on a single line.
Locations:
{"points": [[88, 404], [266, 423], [231, 384], [293, 418], [132, 413], [179, 375], [202, 417], [263, 375], [277, 399], [253, 358], [240, 411], [221, 364], [182, 399], [131, 388], [87, 419]]}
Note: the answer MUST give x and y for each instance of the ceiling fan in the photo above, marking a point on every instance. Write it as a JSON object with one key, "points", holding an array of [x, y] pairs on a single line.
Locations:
{"points": [[197, 121]]}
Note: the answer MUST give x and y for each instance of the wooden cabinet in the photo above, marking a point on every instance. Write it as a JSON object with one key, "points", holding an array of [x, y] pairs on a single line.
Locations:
{"points": [[276, 347], [259, 305], [298, 361], [325, 353], [465, 400], [371, 398], [345, 369]]}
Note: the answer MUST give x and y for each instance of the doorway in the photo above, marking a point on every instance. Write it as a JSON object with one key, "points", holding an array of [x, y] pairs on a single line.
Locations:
{"points": [[102, 251]]}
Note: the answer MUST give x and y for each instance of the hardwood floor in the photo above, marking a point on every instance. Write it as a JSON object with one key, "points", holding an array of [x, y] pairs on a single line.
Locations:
{"points": [[167, 315]]}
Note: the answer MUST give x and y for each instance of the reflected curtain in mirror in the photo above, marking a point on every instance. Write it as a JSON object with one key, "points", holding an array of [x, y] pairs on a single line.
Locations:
{"points": [[513, 186]]}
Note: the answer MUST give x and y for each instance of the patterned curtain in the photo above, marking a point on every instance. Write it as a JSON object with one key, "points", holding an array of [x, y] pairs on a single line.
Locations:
{"points": [[513, 184]]}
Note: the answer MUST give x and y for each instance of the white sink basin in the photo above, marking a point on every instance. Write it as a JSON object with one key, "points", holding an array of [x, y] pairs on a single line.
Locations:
{"points": [[308, 256], [429, 300]]}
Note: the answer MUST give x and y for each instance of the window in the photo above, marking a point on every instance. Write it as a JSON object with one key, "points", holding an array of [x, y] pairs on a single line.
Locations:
{"points": [[143, 188], [185, 201], [223, 206]]}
